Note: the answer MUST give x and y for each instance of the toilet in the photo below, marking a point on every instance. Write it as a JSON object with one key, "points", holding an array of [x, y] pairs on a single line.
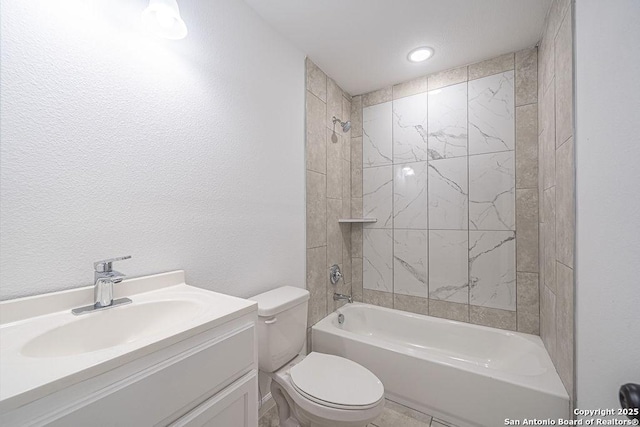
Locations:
{"points": [[316, 390]]}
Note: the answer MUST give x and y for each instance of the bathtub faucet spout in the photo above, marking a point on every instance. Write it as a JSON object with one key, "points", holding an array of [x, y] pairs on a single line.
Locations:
{"points": [[338, 297]]}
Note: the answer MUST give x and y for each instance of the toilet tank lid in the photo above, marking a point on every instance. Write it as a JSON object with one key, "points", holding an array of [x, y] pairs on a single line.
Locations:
{"points": [[278, 300]]}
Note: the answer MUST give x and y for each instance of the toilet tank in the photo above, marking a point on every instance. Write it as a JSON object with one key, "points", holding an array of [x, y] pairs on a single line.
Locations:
{"points": [[282, 325]]}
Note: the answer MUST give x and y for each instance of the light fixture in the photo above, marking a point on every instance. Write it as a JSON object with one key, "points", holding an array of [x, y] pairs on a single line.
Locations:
{"points": [[420, 54], [162, 18]]}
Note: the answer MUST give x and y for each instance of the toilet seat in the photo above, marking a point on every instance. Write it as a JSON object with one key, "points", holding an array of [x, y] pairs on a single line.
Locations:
{"points": [[336, 382]]}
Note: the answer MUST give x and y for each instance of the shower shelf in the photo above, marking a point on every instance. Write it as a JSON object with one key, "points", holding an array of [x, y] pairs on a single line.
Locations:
{"points": [[356, 220]]}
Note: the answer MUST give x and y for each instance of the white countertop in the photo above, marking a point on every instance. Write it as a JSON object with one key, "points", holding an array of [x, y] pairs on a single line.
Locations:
{"points": [[25, 378]]}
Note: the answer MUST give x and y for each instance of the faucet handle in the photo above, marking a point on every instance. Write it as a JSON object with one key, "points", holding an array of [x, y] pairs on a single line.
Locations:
{"points": [[105, 266]]}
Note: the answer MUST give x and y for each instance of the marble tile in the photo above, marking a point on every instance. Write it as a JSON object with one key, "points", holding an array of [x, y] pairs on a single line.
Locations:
{"points": [[448, 122], [377, 259], [346, 136], [564, 326], [411, 303], [527, 76], [393, 418], [547, 139], [448, 194], [316, 209], [411, 87], [356, 151], [356, 279], [356, 116], [527, 226], [410, 262], [377, 196], [316, 134], [317, 283], [334, 234], [316, 80], [492, 191], [564, 82], [379, 298], [334, 103], [556, 16], [527, 146], [492, 317], [377, 135], [377, 97], [346, 189], [410, 129], [356, 167], [345, 230], [448, 265], [548, 320], [356, 240], [410, 195], [449, 310], [356, 183], [546, 64], [270, 418], [356, 207], [491, 114], [548, 232], [447, 78], [565, 203], [528, 303], [491, 66], [492, 269], [334, 165]]}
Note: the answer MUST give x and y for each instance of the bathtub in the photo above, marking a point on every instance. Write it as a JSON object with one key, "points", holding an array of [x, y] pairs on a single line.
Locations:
{"points": [[465, 374]]}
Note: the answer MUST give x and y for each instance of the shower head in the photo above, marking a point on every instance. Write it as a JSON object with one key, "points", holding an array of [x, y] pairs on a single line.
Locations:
{"points": [[344, 125]]}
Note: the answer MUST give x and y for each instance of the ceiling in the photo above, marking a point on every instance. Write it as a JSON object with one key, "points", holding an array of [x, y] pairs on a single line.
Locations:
{"points": [[363, 44]]}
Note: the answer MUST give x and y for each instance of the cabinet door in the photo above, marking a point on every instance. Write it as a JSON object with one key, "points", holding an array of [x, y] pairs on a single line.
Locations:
{"points": [[235, 406], [174, 386]]}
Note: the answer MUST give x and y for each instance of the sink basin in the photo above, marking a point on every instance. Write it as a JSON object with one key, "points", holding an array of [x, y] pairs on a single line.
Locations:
{"points": [[110, 328], [45, 349]]}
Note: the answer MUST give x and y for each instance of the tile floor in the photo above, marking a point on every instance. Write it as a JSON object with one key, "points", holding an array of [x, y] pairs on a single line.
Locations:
{"points": [[394, 415]]}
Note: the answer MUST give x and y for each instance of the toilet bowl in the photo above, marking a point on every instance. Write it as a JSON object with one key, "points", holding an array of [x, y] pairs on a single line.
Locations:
{"points": [[316, 390]]}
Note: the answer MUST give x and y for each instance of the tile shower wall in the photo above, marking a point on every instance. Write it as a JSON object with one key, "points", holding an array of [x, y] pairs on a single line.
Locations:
{"points": [[447, 164], [556, 190], [328, 192]]}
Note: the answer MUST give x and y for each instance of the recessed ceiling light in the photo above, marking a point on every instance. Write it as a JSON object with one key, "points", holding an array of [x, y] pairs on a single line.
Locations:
{"points": [[162, 18], [420, 54]]}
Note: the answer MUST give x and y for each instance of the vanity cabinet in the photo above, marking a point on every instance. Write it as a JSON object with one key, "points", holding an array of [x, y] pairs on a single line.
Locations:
{"points": [[227, 408], [208, 379]]}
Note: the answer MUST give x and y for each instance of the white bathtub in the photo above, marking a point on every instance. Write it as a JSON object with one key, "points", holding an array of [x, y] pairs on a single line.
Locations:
{"points": [[465, 374]]}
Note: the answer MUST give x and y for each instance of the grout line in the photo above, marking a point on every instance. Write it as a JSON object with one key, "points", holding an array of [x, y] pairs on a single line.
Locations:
{"points": [[468, 212], [393, 209], [427, 207], [530, 103], [515, 192]]}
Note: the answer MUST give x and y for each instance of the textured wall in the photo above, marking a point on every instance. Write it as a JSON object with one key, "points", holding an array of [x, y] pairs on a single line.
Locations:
{"points": [[328, 191], [607, 202], [449, 169], [556, 189], [185, 154]]}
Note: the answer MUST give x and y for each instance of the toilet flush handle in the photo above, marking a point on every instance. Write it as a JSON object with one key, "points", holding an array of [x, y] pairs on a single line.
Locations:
{"points": [[271, 321]]}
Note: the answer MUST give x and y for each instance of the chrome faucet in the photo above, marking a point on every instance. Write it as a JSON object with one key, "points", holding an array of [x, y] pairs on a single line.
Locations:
{"points": [[104, 279], [339, 297]]}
